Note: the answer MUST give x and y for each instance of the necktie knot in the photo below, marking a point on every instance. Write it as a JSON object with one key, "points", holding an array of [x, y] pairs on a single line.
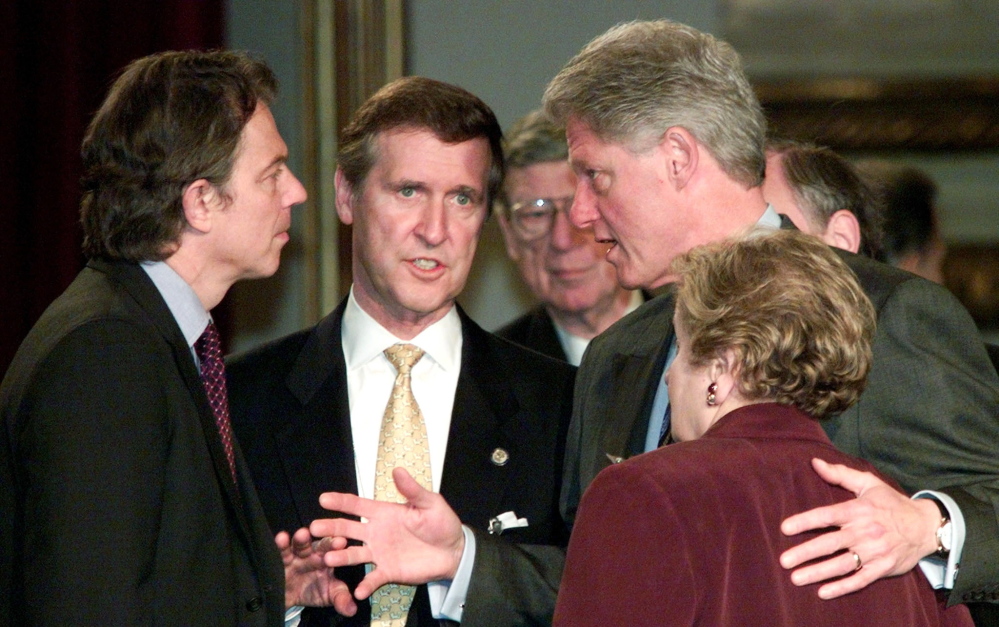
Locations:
{"points": [[404, 356]]}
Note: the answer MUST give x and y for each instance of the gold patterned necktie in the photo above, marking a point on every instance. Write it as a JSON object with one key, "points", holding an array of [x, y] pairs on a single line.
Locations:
{"points": [[402, 443]]}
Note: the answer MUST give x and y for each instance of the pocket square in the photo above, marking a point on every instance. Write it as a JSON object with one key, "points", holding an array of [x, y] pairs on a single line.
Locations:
{"points": [[506, 520]]}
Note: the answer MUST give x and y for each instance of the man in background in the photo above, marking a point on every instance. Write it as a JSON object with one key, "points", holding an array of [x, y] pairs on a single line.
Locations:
{"points": [[125, 499], [397, 396], [906, 200], [822, 194], [563, 266], [667, 138]]}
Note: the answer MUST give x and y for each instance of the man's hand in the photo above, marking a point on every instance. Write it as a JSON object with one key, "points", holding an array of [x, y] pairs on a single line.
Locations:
{"points": [[410, 543], [308, 581], [887, 531]]}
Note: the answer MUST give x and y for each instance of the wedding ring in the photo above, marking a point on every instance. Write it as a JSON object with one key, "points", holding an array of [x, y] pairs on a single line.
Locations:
{"points": [[856, 558]]}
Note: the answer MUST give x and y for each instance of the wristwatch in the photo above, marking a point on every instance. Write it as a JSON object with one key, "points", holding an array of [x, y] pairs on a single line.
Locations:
{"points": [[945, 533]]}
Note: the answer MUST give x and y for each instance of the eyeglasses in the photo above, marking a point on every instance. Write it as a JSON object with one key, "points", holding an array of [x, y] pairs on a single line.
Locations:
{"points": [[533, 219]]}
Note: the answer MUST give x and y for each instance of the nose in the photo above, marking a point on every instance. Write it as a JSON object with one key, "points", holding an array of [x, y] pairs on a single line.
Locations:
{"points": [[295, 193], [583, 212], [432, 227], [564, 234]]}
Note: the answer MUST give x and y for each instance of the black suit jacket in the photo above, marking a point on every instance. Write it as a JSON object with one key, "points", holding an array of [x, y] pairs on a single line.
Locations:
{"points": [[290, 411], [536, 331], [118, 503], [929, 417]]}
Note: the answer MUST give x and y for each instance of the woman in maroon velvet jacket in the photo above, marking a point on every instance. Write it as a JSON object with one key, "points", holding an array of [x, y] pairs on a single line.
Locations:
{"points": [[773, 332]]}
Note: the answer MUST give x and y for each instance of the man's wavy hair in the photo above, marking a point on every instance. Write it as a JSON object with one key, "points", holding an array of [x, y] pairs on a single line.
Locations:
{"points": [[169, 120], [629, 85], [451, 113], [789, 308]]}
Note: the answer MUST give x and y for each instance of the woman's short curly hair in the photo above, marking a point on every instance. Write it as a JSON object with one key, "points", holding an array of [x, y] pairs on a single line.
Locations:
{"points": [[792, 311]]}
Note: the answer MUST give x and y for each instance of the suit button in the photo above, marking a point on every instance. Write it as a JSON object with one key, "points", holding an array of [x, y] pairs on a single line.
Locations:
{"points": [[254, 604], [500, 457]]}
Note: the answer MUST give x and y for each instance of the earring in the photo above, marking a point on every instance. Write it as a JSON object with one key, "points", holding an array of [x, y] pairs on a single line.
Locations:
{"points": [[711, 394]]}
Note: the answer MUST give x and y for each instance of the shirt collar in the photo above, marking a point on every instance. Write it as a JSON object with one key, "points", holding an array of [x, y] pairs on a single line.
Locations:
{"points": [[365, 339], [183, 303], [770, 218]]}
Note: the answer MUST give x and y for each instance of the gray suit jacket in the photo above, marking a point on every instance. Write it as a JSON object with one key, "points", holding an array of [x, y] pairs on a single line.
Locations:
{"points": [[929, 417], [290, 412]]}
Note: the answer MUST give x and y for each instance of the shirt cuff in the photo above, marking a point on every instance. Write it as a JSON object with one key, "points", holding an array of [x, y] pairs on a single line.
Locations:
{"points": [[447, 598], [940, 573], [293, 616]]}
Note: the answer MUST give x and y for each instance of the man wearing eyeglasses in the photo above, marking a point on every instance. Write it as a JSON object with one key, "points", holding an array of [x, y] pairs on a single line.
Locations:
{"points": [[563, 266]]}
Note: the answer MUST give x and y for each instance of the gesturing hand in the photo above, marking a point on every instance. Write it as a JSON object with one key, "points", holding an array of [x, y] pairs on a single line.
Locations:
{"points": [[887, 531], [409, 543], [309, 581]]}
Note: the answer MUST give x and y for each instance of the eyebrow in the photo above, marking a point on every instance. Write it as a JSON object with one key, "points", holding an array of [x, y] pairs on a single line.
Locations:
{"points": [[277, 161]]}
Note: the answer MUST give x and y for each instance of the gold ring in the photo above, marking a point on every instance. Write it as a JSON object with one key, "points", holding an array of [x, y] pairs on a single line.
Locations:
{"points": [[856, 558]]}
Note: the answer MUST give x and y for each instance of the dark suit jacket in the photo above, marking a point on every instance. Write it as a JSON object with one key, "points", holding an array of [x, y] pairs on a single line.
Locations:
{"points": [[290, 411], [702, 520], [929, 417], [993, 351], [118, 503], [536, 331]]}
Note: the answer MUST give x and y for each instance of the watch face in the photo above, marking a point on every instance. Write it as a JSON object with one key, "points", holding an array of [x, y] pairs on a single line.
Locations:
{"points": [[944, 535]]}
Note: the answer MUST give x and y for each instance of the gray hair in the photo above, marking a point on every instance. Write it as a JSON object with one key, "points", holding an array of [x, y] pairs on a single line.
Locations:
{"points": [[639, 78], [534, 139]]}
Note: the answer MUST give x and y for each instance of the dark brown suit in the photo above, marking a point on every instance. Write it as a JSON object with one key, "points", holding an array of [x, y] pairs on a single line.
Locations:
{"points": [[118, 506]]}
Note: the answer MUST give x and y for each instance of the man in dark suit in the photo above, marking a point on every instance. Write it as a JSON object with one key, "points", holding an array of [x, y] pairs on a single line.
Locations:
{"points": [[563, 266], [124, 498], [418, 167], [667, 138]]}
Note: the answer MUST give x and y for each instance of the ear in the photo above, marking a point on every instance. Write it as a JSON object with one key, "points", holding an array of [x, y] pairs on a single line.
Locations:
{"points": [[723, 371], [344, 198], [681, 154], [200, 201], [843, 231]]}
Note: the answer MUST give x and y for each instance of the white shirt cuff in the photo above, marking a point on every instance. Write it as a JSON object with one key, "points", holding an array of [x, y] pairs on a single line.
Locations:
{"points": [[447, 598], [942, 574]]}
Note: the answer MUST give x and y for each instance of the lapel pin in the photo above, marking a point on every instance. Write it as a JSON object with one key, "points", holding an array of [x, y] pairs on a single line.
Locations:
{"points": [[500, 457], [614, 459]]}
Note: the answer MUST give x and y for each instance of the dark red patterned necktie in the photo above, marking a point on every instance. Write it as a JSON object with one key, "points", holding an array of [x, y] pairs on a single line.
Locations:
{"points": [[209, 350]]}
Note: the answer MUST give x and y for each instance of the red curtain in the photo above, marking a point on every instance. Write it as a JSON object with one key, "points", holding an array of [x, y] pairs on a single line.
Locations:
{"points": [[57, 60]]}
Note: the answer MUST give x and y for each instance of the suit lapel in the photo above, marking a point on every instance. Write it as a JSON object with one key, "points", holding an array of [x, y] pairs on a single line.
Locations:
{"points": [[316, 442], [144, 292], [484, 401], [638, 369], [543, 336]]}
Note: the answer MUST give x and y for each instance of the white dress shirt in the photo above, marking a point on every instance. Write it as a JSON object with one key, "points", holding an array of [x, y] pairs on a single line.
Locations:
{"points": [[370, 379]]}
